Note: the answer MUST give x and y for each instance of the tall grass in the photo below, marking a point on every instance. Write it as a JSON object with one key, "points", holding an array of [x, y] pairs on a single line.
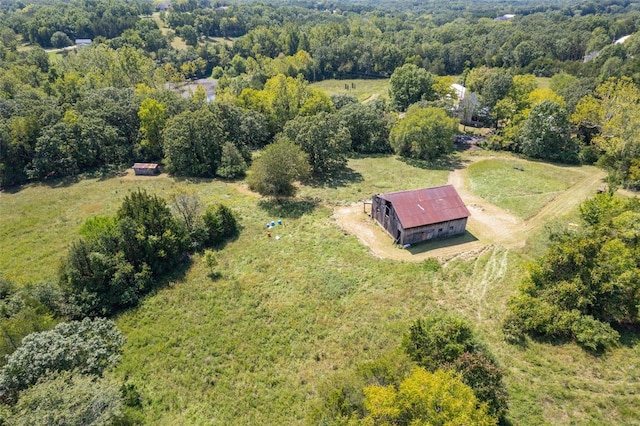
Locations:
{"points": [[289, 315]]}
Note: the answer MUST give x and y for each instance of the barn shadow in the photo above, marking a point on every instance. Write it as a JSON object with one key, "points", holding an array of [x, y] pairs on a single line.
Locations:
{"points": [[336, 179], [456, 240], [449, 162], [290, 209]]}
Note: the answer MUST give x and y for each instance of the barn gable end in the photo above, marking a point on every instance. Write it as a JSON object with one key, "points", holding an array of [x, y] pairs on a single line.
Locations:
{"points": [[421, 214]]}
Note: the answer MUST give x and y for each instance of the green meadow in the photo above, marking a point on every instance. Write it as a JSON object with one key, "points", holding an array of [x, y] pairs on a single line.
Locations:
{"points": [[288, 317], [522, 188], [364, 90]]}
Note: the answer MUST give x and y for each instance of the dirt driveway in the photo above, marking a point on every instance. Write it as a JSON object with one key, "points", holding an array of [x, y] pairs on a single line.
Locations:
{"points": [[489, 225]]}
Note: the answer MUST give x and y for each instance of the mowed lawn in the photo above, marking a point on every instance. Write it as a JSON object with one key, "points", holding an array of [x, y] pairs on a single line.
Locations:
{"points": [[364, 90], [521, 187], [290, 316]]}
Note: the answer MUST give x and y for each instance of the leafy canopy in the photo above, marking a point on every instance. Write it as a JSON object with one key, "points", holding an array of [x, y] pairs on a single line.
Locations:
{"points": [[323, 137], [279, 165], [438, 398], [89, 346], [409, 84], [424, 133], [587, 282], [448, 342]]}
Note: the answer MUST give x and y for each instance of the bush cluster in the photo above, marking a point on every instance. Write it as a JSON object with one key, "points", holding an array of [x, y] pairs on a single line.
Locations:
{"points": [[119, 258], [588, 281]]}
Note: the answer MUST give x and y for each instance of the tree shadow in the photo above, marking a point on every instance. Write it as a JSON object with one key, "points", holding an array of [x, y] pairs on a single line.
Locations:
{"points": [[629, 334], [336, 179], [62, 182], [191, 179], [168, 279], [287, 208], [101, 173], [450, 162]]}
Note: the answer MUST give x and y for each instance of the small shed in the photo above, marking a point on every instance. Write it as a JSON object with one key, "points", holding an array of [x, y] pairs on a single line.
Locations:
{"points": [[147, 169], [421, 214]]}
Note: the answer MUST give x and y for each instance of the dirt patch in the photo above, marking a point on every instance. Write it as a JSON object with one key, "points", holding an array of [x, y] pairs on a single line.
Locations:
{"points": [[356, 222], [243, 189], [489, 225]]}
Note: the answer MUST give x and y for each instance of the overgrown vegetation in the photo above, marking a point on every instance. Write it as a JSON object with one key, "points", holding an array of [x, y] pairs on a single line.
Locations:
{"points": [[447, 342], [88, 346], [453, 367], [264, 319], [119, 258], [271, 323], [586, 283]]}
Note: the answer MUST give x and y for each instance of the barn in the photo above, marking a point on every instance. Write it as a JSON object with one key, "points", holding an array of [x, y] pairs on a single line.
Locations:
{"points": [[421, 214], [149, 169]]}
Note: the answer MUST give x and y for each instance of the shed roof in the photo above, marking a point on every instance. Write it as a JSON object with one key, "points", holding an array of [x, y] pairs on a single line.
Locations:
{"points": [[426, 206], [145, 166]]}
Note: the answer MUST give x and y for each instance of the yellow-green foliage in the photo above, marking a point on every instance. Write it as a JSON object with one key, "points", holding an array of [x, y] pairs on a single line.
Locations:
{"points": [[438, 398]]}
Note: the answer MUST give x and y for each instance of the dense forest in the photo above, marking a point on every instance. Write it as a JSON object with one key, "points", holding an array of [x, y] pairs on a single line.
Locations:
{"points": [[91, 108]]}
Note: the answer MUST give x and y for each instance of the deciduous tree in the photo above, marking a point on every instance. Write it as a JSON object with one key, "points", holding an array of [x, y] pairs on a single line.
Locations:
{"points": [[89, 346], [410, 84], [192, 143], [437, 398], [323, 137], [424, 133], [279, 165], [545, 134], [69, 398]]}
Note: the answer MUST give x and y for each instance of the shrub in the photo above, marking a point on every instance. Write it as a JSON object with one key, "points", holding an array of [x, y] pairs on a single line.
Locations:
{"points": [[587, 281], [448, 342], [88, 346], [220, 224], [69, 399], [438, 339]]}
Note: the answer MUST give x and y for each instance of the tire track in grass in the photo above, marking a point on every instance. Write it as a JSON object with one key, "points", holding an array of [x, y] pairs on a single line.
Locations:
{"points": [[492, 273]]}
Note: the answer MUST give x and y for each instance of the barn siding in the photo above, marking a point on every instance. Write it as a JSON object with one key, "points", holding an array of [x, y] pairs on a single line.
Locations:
{"points": [[383, 212], [436, 230], [145, 172]]}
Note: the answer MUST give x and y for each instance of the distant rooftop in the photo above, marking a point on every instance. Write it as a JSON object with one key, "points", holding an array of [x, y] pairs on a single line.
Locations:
{"points": [[506, 17]]}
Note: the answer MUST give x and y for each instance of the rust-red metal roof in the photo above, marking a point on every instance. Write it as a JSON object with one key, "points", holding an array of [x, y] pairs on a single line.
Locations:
{"points": [[145, 166], [427, 206]]}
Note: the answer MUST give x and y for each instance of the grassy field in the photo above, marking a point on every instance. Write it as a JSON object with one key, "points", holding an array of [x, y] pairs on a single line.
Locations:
{"points": [[368, 176], [289, 316], [364, 90], [522, 188]]}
